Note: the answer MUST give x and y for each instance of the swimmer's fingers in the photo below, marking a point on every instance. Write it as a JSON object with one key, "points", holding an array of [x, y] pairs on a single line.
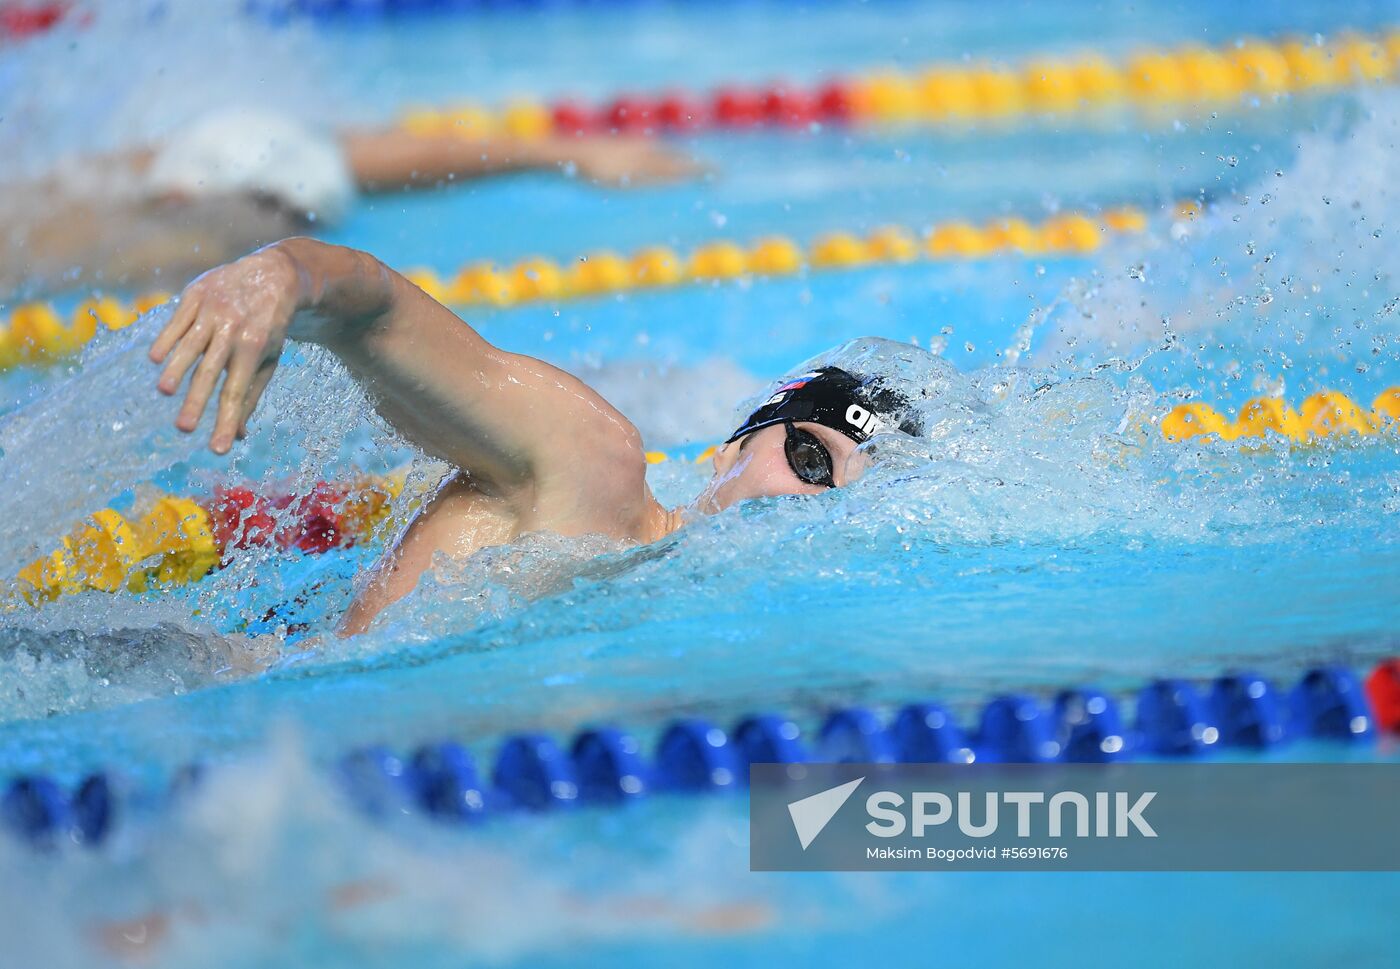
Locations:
{"points": [[241, 370], [255, 392], [206, 377], [188, 349], [180, 321]]}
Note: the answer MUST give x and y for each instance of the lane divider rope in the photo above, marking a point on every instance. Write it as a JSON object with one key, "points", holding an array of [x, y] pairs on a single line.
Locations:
{"points": [[36, 333], [954, 93], [171, 540], [656, 267], [1326, 413], [606, 766]]}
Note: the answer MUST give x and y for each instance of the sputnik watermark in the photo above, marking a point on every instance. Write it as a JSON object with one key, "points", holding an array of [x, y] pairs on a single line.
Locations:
{"points": [[1132, 817], [811, 814], [886, 810], [1113, 815]]}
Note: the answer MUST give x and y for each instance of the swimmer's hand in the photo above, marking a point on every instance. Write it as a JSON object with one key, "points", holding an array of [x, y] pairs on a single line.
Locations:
{"points": [[621, 161], [232, 320]]}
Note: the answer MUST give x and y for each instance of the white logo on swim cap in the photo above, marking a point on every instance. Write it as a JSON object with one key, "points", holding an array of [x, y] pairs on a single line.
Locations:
{"points": [[860, 418]]}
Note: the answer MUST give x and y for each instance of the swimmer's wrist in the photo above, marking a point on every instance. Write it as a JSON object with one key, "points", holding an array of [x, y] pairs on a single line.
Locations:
{"points": [[304, 322], [335, 290], [304, 291]]}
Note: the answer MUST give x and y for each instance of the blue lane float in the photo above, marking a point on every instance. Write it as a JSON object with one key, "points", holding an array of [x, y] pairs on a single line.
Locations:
{"points": [[1173, 721], [1089, 728], [855, 736], [1015, 730], [695, 755], [1247, 710], [606, 766], [1329, 702], [533, 774], [449, 786], [925, 733]]}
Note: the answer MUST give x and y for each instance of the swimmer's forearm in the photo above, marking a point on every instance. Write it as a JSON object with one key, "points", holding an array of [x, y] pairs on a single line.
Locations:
{"points": [[428, 373], [372, 317], [393, 160]]}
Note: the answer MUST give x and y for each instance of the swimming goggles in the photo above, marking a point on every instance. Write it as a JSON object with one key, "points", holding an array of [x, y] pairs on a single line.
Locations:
{"points": [[808, 457]]}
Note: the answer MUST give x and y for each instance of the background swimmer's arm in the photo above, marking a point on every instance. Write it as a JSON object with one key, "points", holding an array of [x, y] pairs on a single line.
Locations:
{"points": [[522, 428], [390, 160]]}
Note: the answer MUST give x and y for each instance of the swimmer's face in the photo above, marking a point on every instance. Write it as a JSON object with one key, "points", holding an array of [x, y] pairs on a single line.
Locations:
{"points": [[757, 466]]}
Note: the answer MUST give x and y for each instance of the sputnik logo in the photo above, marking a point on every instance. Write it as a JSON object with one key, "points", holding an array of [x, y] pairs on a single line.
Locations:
{"points": [[811, 814]]}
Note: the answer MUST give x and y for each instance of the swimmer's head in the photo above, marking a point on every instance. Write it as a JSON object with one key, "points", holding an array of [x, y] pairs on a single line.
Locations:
{"points": [[805, 438], [259, 154]]}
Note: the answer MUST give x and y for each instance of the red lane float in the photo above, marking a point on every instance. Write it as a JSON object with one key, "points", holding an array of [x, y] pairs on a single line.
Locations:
{"points": [[21, 20], [170, 540], [1383, 690], [329, 516]]}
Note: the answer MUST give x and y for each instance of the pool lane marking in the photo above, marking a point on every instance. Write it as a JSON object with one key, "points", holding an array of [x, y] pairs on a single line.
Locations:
{"points": [[954, 93], [607, 767], [36, 333]]}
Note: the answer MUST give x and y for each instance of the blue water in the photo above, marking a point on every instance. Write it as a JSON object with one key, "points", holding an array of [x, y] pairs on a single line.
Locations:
{"points": [[1041, 539]]}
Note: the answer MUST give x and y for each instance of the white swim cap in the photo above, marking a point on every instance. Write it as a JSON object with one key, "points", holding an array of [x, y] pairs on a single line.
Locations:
{"points": [[245, 150]]}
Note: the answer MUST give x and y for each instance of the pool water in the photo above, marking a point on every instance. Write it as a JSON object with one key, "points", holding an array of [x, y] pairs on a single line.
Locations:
{"points": [[1042, 535]]}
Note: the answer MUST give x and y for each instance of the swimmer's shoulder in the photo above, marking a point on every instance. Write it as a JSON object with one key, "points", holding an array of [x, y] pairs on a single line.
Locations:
{"points": [[602, 489]]}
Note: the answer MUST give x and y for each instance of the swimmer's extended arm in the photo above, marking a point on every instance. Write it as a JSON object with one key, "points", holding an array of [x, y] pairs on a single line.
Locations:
{"points": [[523, 429], [390, 160]]}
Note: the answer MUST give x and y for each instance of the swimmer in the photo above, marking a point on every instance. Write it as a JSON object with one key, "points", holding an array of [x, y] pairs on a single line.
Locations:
{"points": [[239, 179], [534, 447]]}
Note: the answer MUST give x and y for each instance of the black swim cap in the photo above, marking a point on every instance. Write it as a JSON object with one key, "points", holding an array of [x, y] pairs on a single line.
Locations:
{"points": [[833, 398]]}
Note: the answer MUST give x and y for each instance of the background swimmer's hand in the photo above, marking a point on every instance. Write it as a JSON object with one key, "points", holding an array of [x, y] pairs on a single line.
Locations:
{"points": [[621, 161], [231, 322]]}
